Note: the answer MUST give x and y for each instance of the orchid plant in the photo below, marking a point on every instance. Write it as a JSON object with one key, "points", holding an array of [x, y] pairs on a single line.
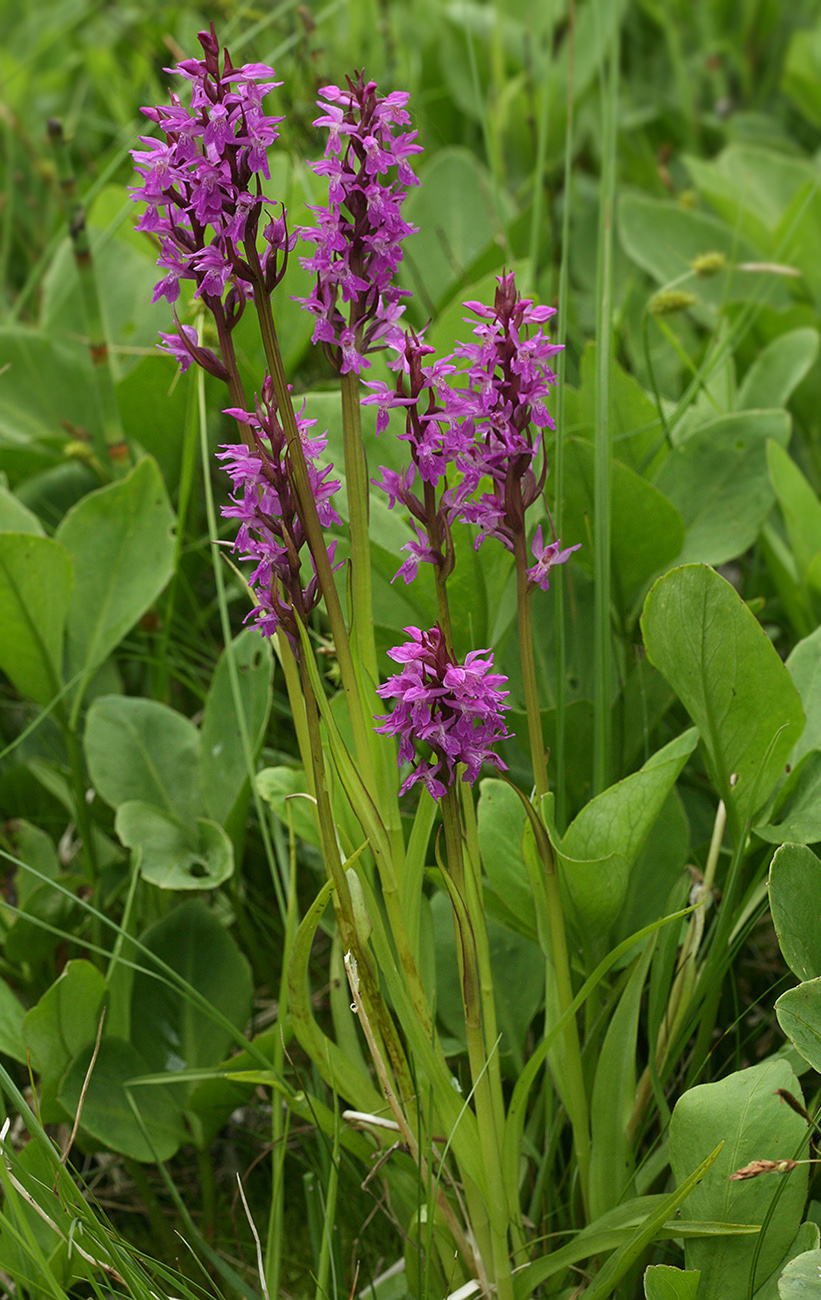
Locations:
{"points": [[392, 763]]}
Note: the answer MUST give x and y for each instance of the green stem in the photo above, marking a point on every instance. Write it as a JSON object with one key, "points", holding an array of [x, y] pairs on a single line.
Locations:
{"points": [[558, 454], [534, 717], [602, 450], [489, 1135], [356, 475], [475, 909], [280, 1114], [362, 730]]}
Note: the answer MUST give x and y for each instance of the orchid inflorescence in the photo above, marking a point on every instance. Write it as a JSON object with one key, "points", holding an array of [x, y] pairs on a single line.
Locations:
{"points": [[474, 421]]}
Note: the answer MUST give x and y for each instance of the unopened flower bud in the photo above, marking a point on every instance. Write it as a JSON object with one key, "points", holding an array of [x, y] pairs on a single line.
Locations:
{"points": [[707, 264], [669, 301]]}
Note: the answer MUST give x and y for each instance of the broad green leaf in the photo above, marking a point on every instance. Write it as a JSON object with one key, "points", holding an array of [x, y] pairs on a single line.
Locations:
{"points": [[801, 76], [501, 821], [718, 478], [139, 749], [12, 1012], [799, 1015], [16, 517], [175, 856], [453, 208], [620, 818], [125, 272], [663, 1282], [36, 576], [795, 890], [43, 384], [170, 1030], [63, 1022], [659, 865], [801, 1278], [122, 546], [745, 1113], [799, 506], [32, 848], [750, 187], [727, 674], [637, 436], [798, 806], [804, 664], [778, 370], [286, 790], [807, 1238], [798, 232], [612, 1162], [597, 887], [647, 529], [664, 238], [223, 771], [109, 1103]]}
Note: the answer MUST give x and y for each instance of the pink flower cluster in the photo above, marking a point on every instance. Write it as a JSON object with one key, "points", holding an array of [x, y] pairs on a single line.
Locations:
{"points": [[201, 182], [271, 533], [359, 234], [455, 708], [473, 421]]}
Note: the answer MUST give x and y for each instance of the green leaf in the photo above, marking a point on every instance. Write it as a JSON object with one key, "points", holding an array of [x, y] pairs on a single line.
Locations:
{"points": [[140, 749], [647, 529], [286, 790], [778, 370], [223, 771], [799, 1015], [663, 238], [750, 187], [518, 981], [797, 807], [637, 435], [36, 576], [63, 1022], [795, 888], [612, 1162], [802, 1277], [620, 818], [801, 77], [501, 821], [718, 478], [15, 517], [175, 856], [170, 1030], [43, 384], [744, 1112], [121, 542], [12, 1013], [663, 1282], [109, 1104], [804, 664], [799, 506], [453, 208], [727, 674]]}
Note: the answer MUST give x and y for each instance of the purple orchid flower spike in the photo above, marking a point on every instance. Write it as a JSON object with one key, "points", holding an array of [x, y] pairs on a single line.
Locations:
{"points": [[455, 708], [358, 236]]}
